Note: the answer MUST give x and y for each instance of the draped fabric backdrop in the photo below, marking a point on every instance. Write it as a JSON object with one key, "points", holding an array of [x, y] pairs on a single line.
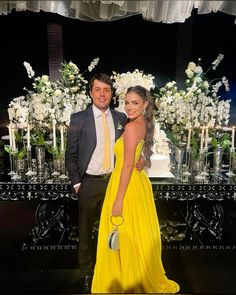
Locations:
{"points": [[166, 11]]}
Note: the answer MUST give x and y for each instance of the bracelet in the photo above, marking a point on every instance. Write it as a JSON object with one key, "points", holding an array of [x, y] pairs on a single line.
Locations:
{"points": [[122, 220]]}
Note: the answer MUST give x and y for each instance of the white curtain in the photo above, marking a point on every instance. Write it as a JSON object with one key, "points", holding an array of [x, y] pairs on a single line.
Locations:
{"points": [[166, 11]]}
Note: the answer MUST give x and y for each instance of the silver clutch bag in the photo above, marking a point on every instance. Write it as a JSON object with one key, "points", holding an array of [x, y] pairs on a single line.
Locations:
{"points": [[113, 238]]}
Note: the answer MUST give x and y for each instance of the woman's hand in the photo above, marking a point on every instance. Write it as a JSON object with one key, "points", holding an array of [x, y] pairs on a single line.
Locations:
{"points": [[117, 208], [140, 163]]}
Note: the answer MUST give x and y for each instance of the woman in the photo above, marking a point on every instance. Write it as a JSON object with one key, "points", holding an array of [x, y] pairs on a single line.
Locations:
{"points": [[137, 266]]}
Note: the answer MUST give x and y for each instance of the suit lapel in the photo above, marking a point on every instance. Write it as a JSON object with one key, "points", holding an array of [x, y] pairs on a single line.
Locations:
{"points": [[117, 124], [116, 121], [92, 128]]}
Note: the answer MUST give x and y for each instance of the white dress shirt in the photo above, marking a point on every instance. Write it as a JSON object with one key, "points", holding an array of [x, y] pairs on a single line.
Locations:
{"points": [[95, 166]]}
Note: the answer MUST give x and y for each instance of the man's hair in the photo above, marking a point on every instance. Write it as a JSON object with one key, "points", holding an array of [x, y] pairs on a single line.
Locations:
{"points": [[100, 77]]}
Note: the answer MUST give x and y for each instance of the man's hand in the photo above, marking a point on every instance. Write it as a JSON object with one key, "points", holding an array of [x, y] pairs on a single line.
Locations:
{"points": [[77, 187], [140, 163]]}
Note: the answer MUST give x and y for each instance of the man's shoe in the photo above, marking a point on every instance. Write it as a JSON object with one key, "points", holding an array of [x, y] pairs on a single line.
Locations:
{"points": [[87, 284]]}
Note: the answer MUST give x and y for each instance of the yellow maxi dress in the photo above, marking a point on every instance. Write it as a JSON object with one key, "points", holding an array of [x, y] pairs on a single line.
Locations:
{"points": [[137, 266]]}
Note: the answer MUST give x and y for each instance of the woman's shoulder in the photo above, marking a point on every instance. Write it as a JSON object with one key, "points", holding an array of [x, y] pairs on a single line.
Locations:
{"points": [[132, 128], [135, 130], [133, 125]]}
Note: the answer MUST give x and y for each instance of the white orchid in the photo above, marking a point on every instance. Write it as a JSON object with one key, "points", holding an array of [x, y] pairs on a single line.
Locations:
{"points": [[93, 64], [29, 69], [125, 80], [18, 111], [216, 62]]}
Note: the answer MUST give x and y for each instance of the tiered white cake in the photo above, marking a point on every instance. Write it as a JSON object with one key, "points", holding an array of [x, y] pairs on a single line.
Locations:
{"points": [[160, 166], [160, 159]]}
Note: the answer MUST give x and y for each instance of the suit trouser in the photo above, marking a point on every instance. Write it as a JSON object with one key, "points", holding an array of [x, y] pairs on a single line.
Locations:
{"points": [[91, 196]]}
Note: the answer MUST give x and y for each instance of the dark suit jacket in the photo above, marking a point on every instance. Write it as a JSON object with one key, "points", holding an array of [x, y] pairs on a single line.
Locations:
{"points": [[81, 141]]}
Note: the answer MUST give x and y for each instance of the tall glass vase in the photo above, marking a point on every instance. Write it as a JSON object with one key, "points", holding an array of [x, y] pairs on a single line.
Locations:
{"points": [[40, 157], [179, 156], [217, 162], [12, 158], [63, 177], [187, 165], [29, 172], [230, 173], [199, 177], [14, 167], [20, 168], [56, 165]]}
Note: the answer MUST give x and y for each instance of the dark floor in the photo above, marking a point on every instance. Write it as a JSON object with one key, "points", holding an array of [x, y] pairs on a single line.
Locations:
{"points": [[198, 271], [45, 268]]}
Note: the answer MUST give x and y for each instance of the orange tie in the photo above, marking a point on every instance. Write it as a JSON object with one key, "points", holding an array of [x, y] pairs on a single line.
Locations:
{"points": [[107, 152]]}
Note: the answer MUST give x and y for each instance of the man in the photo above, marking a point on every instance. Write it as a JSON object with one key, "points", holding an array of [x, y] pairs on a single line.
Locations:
{"points": [[89, 162]]}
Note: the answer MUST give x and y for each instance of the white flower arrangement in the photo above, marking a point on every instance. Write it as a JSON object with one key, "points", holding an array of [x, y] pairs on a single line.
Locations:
{"points": [[206, 107], [71, 93], [40, 102], [18, 111], [198, 105], [49, 103], [54, 102], [125, 80]]}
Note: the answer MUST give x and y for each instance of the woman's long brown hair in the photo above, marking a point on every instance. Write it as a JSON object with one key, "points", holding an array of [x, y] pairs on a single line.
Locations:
{"points": [[146, 96]]}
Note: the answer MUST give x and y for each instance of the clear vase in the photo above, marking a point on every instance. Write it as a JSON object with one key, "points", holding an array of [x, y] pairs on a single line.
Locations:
{"points": [[20, 165], [20, 168], [230, 173], [56, 166], [63, 177], [217, 163], [12, 159], [187, 165], [30, 171], [179, 156], [40, 157], [217, 160], [195, 165], [199, 168]]}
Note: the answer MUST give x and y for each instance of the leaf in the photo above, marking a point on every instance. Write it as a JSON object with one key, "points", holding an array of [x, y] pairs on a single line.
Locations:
{"points": [[19, 136], [49, 148], [55, 152], [223, 141], [225, 136], [170, 135], [21, 153], [214, 142], [7, 148]]}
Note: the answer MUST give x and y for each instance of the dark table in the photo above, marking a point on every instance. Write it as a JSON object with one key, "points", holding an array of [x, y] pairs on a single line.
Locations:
{"points": [[199, 214]]}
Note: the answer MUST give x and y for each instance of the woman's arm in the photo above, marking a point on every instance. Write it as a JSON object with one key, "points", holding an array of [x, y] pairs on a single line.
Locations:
{"points": [[131, 139]]}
